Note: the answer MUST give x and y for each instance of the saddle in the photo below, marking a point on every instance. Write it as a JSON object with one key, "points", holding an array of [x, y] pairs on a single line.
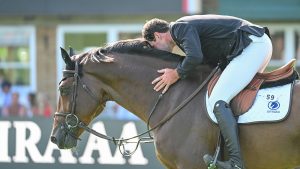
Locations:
{"points": [[242, 102]]}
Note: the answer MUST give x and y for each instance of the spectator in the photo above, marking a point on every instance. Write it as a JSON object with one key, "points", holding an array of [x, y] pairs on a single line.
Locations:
{"points": [[44, 105], [33, 109], [5, 94], [15, 108]]}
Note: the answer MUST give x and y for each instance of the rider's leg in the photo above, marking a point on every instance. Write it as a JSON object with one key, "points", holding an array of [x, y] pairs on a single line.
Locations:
{"points": [[228, 128], [236, 76], [241, 70]]}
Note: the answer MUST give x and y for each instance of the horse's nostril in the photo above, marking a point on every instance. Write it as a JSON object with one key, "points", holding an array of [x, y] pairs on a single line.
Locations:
{"points": [[53, 139]]}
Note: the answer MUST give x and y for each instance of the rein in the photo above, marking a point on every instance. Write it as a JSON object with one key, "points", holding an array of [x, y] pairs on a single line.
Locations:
{"points": [[72, 121]]}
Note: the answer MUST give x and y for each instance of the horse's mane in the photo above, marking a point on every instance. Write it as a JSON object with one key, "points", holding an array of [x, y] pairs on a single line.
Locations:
{"points": [[140, 47], [127, 46], [131, 46]]}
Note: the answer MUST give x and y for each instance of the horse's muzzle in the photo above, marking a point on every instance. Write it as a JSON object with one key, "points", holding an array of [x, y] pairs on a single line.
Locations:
{"points": [[63, 137]]}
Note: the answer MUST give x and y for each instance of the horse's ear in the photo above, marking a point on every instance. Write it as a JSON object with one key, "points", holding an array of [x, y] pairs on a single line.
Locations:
{"points": [[67, 59]]}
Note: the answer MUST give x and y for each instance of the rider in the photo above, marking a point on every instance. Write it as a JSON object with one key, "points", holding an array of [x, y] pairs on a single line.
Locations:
{"points": [[240, 48]]}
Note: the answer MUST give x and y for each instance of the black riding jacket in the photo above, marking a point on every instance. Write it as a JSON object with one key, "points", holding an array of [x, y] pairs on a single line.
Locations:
{"points": [[211, 39]]}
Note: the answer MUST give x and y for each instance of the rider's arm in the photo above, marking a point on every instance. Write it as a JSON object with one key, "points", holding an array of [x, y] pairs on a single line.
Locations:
{"points": [[188, 39]]}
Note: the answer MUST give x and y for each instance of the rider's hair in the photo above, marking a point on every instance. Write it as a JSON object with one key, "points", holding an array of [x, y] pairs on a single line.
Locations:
{"points": [[154, 25]]}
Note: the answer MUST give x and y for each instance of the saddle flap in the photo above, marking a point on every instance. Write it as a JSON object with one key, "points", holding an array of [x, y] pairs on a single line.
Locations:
{"points": [[213, 81], [270, 105], [242, 102]]}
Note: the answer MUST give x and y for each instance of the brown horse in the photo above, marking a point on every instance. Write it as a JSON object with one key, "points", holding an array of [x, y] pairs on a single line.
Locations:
{"points": [[123, 72]]}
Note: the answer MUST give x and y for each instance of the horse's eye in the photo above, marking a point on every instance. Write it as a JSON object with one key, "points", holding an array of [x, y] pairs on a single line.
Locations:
{"points": [[64, 91]]}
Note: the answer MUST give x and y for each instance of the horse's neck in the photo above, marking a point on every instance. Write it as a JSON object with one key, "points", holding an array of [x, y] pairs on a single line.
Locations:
{"points": [[131, 78]]}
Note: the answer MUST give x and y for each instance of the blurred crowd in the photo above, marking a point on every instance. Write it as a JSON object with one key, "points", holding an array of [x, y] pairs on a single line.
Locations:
{"points": [[11, 106], [37, 104]]}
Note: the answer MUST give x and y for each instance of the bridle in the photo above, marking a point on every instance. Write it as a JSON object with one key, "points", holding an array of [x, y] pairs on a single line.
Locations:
{"points": [[72, 121]]}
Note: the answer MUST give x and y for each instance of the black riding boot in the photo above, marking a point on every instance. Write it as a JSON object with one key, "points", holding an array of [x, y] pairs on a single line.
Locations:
{"points": [[228, 127]]}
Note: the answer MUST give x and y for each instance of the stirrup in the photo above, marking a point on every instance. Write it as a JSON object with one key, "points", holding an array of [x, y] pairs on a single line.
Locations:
{"points": [[209, 160], [212, 166], [213, 163]]}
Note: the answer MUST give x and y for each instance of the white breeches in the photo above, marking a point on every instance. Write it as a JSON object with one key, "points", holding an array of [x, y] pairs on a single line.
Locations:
{"points": [[241, 70]]}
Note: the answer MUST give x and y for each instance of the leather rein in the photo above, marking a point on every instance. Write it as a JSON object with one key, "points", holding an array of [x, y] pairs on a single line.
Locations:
{"points": [[72, 120]]}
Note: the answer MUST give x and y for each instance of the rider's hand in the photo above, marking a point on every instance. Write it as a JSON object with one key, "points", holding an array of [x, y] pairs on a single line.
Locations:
{"points": [[169, 77]]}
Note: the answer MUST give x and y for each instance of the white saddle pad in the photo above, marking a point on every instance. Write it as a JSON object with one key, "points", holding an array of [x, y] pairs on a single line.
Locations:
{"points": [[271, 104]]}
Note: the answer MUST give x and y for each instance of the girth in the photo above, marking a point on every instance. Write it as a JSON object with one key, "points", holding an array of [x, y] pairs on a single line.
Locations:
{"points": [[242, 102]]}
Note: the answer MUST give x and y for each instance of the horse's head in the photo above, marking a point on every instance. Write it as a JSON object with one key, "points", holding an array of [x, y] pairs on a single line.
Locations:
{"points": [[81, 99], [87, 85]]}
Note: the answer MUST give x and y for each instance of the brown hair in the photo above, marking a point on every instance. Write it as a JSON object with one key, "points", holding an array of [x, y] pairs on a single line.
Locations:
{"points": [[154, 25]]}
